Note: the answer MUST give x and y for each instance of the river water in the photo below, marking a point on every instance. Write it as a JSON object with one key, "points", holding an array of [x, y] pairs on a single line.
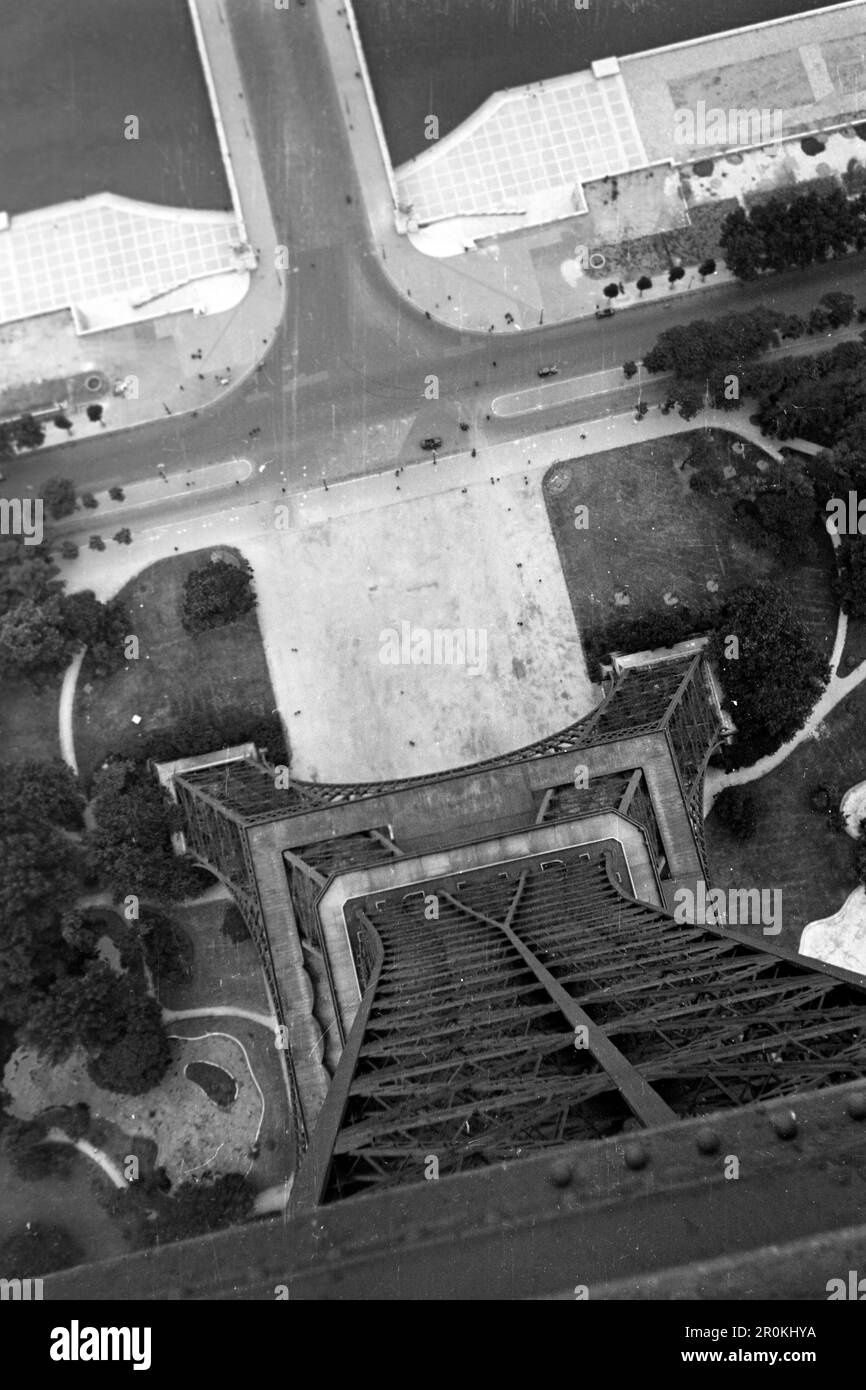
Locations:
{"points": [[71, 71], [444, 57]]}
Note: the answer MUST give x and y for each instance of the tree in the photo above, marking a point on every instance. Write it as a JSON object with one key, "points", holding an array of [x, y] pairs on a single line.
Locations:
{"points": [[43, 793], [774, 674], [792, 326], [69, 550], [33, 640], [59, 497], [101, 627], [742, 245], [88, 500], [91, 1011], [676, 273], [610, 291], [840, 307], [62, 422], [27, 572], [96, 543], [28, 432], [737, 809], [850, 584], [94, 412], [644, 283], [201, 1205], [629, 368], [216, 594], [707, 267], [116, 493], [123, 536], [139, 1059], [786, 512], [689, 397], [38, 880], [131, 846]]}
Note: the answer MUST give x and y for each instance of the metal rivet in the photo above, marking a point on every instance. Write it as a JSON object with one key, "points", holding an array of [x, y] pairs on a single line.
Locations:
{"points": [[784, 1124], [560, 1173], [707, 1140], [635, 1156], [857, 1106]]}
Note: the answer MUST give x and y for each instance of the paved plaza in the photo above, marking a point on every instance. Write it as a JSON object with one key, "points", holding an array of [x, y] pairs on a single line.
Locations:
{"points": [[522, 146], [110, 259]]}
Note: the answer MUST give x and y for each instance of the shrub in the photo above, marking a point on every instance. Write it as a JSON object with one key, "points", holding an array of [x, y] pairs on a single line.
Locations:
{"points": [[88, 500]]}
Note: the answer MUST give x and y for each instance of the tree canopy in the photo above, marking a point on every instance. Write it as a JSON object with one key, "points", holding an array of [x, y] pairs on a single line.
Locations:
{"points": [[216, 594]]}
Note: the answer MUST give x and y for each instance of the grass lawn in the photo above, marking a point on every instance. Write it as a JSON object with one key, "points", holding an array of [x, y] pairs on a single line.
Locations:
{"points": [[650, 539], [177, 676], [793, 848], [71, 1202], [224, 971], [28, 722]]}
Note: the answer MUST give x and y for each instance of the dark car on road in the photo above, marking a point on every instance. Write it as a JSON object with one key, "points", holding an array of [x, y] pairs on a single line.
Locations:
{"points": [[433, 441]]}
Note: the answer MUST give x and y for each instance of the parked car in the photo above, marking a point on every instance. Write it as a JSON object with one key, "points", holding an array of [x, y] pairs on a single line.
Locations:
{"points": [[548, 371], [604, 313], [433, 441]]}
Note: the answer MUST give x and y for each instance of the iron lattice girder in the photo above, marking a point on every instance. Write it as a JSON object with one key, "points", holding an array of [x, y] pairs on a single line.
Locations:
{"points": [[639, 704], [515, 1229], [517, 1107], [460, 1031], [477, 1068], [691, 1009]]}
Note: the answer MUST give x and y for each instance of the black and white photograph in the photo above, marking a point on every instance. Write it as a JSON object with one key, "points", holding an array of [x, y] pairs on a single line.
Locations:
{"points": [[433, 669]]}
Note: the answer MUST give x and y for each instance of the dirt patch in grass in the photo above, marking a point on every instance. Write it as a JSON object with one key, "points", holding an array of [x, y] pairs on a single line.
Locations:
{"points": [[188, 1129], [654, 254], [650, 539], [176, 677], [794, 848]]}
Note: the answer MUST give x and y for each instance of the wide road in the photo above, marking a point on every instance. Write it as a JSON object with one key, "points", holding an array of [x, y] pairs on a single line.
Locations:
{"points": [[341, 392]]}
